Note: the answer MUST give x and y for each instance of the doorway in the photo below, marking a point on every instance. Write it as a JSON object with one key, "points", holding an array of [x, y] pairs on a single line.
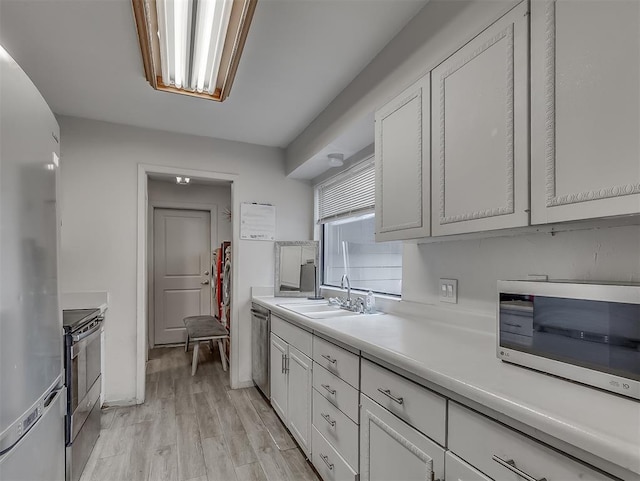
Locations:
{"points": [[181, 280], [186, 225], [180, 197]]}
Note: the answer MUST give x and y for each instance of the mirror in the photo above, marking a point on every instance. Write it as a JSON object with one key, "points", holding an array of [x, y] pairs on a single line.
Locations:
{"points": [[296, 263]]}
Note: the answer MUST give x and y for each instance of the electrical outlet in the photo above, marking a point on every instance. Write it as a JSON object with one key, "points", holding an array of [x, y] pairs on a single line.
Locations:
{"points": [[449, 290]]}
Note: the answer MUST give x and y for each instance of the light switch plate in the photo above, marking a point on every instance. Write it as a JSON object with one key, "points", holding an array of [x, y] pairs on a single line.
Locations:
{"points": [[449, 290]]}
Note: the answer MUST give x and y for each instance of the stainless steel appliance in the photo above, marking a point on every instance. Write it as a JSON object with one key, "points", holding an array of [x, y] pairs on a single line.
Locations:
{"points": [[260, 334], [582, 331], [32, 391], [83, 358]]}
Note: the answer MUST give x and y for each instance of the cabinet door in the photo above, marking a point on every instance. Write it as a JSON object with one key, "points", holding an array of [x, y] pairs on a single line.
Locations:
{"points": [[585, 93], [299, 421], [279, 383], [480, 131], [403, 166], [391, 449]]}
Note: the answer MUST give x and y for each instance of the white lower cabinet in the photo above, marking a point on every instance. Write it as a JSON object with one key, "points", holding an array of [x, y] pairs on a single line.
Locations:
{"points": [[506, 455], [458, 470], [279, 379], [340, 431], [329, 464], [299, 398], [390, 449], [291, 390]]}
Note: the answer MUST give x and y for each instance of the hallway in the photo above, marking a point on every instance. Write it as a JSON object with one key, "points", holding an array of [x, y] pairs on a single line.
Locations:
{"points": [[194, 428]]}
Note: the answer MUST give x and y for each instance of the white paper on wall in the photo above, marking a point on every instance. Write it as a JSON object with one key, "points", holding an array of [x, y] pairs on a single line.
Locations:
{"points": [[257, 221]]}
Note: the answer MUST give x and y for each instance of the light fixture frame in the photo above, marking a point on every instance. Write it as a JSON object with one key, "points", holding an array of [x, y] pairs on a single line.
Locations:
{"points": [[144, 12]]}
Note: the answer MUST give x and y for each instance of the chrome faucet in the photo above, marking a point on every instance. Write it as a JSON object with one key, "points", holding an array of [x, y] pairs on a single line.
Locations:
{"points": [[342, 282]]}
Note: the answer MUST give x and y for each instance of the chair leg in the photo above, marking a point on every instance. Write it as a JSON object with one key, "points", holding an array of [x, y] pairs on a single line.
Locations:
{"points": [[223, 358], [194, 363], [186, 344], [211, 346]]}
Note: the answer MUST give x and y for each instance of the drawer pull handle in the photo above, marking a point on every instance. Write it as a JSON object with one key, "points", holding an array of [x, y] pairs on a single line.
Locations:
{"points": [[387, 392], [330, 359], [326, 461], [327, 418], [510, 464], [328, 388]]}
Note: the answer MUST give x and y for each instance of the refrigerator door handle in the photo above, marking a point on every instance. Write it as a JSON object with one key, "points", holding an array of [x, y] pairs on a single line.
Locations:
{"points": [[52, 396]]}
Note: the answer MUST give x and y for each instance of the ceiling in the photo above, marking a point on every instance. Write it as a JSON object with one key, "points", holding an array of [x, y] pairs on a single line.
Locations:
{"points": [[84, 58]]}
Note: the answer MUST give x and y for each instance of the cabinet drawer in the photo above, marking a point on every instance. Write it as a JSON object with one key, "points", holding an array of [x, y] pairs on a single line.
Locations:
{"points": [[338, 392], [419, 407], [488, 446], [390, 449], [328, 462], [458, 470], [336, 360], [340, 431], [297, 337]]}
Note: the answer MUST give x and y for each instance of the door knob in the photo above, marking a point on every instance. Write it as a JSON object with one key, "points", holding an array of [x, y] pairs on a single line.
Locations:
{"points": [[206, 273], [205, 282]]}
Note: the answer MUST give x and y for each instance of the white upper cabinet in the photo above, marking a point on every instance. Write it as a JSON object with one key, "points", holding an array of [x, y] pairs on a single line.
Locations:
{"points": [[480, 131], [585, 101], [403, 166]]}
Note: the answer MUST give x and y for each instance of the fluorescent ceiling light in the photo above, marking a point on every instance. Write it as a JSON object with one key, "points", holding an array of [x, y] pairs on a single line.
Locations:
{"points": [[192, 47]]}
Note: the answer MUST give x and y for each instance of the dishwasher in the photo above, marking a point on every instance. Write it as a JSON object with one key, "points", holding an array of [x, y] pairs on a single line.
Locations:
{"points": [[260, 340]]}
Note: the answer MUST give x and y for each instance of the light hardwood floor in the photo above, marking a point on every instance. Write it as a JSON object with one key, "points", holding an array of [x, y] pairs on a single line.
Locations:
{"points": [[195, 428]]}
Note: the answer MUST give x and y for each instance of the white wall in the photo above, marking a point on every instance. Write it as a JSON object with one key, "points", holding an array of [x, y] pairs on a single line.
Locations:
{"points": [[438, 30], [99, 201], [218, 195], [609, 254]]}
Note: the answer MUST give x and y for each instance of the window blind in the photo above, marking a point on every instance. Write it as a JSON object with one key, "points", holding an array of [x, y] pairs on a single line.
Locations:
{"points": [[348, 194]]}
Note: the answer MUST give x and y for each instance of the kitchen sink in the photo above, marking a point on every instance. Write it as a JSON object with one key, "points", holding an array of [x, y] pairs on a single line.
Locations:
{"points": [[303, 308], [319, 311]]}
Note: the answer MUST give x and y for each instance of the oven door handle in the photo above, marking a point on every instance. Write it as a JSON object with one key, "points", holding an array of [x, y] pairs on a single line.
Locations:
{"points": [[84, 335]]}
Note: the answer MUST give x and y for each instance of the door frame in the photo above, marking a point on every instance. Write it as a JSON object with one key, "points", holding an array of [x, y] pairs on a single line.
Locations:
{"points": [[142, 321], [212, 209]]}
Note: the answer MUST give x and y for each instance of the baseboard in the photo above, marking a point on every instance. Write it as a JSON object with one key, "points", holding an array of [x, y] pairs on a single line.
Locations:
{"points": [[243, 384], [122, 403]]}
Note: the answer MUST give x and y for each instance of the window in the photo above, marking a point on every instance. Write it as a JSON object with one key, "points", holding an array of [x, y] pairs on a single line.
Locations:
{"points": [[345, 210]]}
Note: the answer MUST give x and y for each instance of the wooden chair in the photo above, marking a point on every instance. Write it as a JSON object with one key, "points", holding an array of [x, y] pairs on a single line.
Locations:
{"points": [[205, 328]]}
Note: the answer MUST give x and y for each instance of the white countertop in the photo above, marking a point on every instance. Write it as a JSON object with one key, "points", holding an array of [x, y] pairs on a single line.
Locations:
{"points": [[84, 300], [463, 361]]}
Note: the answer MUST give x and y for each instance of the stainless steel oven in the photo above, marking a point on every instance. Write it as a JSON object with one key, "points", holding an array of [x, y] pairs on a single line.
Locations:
{"points": [[83, 363], [582, 331]]}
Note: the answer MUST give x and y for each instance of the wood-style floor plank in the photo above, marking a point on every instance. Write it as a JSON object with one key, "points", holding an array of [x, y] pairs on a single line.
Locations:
{"points": [[190, 458], [109, 469], [280, 435], [219, 464], [138, 463], [184, 398], [251, 472], [207, 417], [194, 428], [163, 465], [240, 448], [299, 467], [107, 418]]}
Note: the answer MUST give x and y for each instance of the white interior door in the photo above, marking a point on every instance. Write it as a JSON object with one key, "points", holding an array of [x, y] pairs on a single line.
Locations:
{"points": [[181, 267]]}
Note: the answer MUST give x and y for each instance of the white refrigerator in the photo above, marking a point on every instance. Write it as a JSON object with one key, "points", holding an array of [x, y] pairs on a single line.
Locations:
{"points": [[32, 394]]}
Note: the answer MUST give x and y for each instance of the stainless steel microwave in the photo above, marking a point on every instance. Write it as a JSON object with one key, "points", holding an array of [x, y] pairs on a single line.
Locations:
{"points": [[581, 331]]}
